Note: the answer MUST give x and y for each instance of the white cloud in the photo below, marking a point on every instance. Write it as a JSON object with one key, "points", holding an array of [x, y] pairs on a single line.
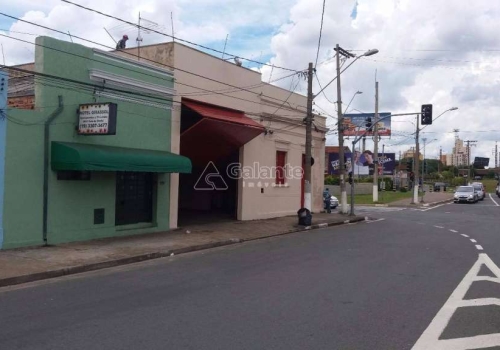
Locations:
{"points": [[463, 74]]}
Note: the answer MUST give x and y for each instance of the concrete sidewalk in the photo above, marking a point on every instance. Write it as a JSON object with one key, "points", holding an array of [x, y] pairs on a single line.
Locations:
{"points": [[430, 198], [32, 264]]}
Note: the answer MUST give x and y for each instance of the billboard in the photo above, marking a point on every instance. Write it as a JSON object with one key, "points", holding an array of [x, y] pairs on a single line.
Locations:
{"points": [[363, 163], [481, 163], [355, 124]]}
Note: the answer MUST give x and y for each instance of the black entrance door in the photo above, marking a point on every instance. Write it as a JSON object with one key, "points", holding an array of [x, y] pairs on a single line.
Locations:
{"points": [[134, 198]]}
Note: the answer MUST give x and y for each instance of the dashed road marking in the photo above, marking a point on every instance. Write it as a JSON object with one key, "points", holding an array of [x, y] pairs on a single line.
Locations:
{"points": [[473, 240], [438, 226], [455, 231], [430, 338], [437, 206], [489, 194], [478, 247], [464, 235]]}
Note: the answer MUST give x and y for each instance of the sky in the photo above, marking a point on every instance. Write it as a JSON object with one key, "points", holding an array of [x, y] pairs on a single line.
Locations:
{"points": [[439, 52]]}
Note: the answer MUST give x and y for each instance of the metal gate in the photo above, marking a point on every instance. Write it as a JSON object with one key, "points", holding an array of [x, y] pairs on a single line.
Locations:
{"points": [[134, 198]]}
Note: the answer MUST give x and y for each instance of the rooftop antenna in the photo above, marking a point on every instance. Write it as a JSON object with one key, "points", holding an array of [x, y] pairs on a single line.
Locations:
{"points": [[172, 21], [145, 26], [139, 39], [225, 43], [3, 54], [271, 74], [70, 37]]}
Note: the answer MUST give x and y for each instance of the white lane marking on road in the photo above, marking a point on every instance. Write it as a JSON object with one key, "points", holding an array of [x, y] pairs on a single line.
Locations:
{"points": [[455, 231], [489, 194], [430, 338], [438, 226], [473, 240], [464, 235], [478, 247], [437, 206]]}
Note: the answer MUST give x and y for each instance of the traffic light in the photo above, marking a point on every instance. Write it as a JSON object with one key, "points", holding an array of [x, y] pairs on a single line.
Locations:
{"points": [[425, 167], [426, 115], [368, 123], [349, 179], [409, 165]]}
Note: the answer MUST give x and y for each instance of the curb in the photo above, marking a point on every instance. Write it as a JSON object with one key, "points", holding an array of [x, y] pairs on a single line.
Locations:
{"points": [[10, 281]]}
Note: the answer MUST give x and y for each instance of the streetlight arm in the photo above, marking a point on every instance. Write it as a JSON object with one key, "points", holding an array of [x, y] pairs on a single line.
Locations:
{"points": [[448, 110]]}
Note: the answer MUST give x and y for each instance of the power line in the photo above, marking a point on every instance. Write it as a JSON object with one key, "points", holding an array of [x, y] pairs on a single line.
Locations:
{"points": [[323, 91], [146, 74], [145, 59], [195, 87], [431, 66], [88, 90], [171, 36], [320, 32], [12, 31]]}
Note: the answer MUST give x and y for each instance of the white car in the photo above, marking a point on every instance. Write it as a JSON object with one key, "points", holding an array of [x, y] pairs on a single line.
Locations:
{"points": [[479, 189], [334, 203]]}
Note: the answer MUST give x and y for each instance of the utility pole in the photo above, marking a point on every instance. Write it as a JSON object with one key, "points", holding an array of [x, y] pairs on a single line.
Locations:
{"points": [[496, 155], [340, 116], [440, 157], [375, 147], [468, 142], [307, 174], [423, 163], [416, 160]]}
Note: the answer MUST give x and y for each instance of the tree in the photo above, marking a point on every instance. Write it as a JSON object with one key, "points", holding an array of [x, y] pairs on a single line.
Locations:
{"points": [[447, 174]]}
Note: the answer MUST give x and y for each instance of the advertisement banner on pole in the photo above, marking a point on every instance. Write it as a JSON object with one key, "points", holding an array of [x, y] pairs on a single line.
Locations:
{"points": [[355, 124], [363, 163]]}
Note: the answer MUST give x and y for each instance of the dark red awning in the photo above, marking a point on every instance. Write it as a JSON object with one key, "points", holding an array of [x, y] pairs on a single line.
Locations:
{"points": [[218, 132]]}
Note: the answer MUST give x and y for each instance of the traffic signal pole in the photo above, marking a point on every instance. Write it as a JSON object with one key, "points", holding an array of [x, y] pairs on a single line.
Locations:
{"points": [[375, 147], [416, 159]]}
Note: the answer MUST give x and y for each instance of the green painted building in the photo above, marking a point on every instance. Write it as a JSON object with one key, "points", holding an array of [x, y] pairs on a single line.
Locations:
{"points": [[70, 173]]}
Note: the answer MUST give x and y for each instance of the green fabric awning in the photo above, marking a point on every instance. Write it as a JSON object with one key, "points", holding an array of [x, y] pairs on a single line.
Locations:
{"points": [[85, 157]]}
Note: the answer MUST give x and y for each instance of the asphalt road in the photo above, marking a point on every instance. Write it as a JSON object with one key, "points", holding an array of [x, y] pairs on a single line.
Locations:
{"points": [[403, 282]]}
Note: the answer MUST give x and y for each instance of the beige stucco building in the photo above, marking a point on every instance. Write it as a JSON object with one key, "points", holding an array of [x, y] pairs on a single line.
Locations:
{"points": [[223, 113]]}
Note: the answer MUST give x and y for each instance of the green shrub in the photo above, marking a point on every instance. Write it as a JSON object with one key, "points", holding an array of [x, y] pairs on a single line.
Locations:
{"points": [[332, 180], [403, 189]]}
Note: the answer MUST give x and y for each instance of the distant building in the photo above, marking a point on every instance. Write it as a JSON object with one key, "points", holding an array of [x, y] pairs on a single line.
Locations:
{"points": [[410, 153], [460, 155], [443, 159], [449, 159]]}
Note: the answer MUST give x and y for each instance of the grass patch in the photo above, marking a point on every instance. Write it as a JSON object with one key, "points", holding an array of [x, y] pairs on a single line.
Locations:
{"points": [[489, 184], [383, 197]]}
